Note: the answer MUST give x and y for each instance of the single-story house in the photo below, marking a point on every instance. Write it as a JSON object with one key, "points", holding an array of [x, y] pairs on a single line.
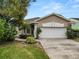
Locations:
{"points": [[75, 23], [52, 26]]}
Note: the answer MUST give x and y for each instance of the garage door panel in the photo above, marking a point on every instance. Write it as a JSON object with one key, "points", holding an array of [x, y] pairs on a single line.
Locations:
{"points": [[53, 33]]}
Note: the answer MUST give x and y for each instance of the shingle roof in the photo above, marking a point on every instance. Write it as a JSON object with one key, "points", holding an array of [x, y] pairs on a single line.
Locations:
{"points": [[40, 18], [58, 15], [33, 19]]}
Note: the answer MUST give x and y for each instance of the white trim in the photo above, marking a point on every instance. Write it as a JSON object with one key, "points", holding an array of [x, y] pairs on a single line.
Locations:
{"points": [[53, 24], [35, 30]]}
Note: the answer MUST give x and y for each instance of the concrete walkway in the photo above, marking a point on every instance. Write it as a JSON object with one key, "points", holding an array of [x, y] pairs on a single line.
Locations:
{"points": [[61, 48], [21, 40]]}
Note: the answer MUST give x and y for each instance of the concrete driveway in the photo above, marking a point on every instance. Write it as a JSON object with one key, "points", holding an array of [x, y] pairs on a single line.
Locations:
{"points": [[61, 48]]}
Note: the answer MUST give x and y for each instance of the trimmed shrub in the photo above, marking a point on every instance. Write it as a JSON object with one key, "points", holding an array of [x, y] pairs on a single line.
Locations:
{"points": [[10, 33], [2, 29], [7, 31], [30, 40], [72, 34]]}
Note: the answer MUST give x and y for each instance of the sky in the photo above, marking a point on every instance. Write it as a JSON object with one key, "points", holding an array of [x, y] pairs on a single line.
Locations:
{"points": [[40, 8]]}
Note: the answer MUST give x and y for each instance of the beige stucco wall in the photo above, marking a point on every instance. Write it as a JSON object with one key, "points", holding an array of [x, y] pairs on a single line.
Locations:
{"points": [[52, 18]]}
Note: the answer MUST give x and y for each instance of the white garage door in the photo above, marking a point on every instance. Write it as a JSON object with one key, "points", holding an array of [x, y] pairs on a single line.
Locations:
{"points": [[53, 33]]}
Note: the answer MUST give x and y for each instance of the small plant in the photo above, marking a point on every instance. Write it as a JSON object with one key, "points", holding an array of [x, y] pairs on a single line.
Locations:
{"points": [[38, 32], [30, 40]]}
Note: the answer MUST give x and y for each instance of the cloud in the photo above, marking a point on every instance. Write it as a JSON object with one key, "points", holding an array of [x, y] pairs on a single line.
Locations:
{"points": [[36, 4], [75, 6], [45, 7], [52, 7], [76, 0], [72, 4], [57, 6]]}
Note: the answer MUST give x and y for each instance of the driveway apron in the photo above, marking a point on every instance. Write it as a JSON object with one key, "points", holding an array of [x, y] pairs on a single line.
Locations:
{"points": [[61, 48]]}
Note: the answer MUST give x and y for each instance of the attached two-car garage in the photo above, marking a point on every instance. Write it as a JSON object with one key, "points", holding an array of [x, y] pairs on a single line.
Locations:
{"points": [[51, 32]]}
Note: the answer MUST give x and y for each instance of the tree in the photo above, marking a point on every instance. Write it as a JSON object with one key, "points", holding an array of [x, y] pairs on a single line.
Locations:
{"points": [[14, 8]]}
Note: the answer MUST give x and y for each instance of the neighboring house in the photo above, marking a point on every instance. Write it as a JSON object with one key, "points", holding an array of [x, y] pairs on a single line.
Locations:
{"points": [[75, 23], [75, 19], [32, 20], [52, 26]]}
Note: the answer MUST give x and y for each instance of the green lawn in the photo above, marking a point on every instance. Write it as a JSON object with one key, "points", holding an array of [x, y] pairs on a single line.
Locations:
{"points": [[20, 51]]}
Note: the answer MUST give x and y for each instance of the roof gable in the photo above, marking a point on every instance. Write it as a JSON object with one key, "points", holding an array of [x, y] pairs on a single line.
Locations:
{"points": [[53, 14]]}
